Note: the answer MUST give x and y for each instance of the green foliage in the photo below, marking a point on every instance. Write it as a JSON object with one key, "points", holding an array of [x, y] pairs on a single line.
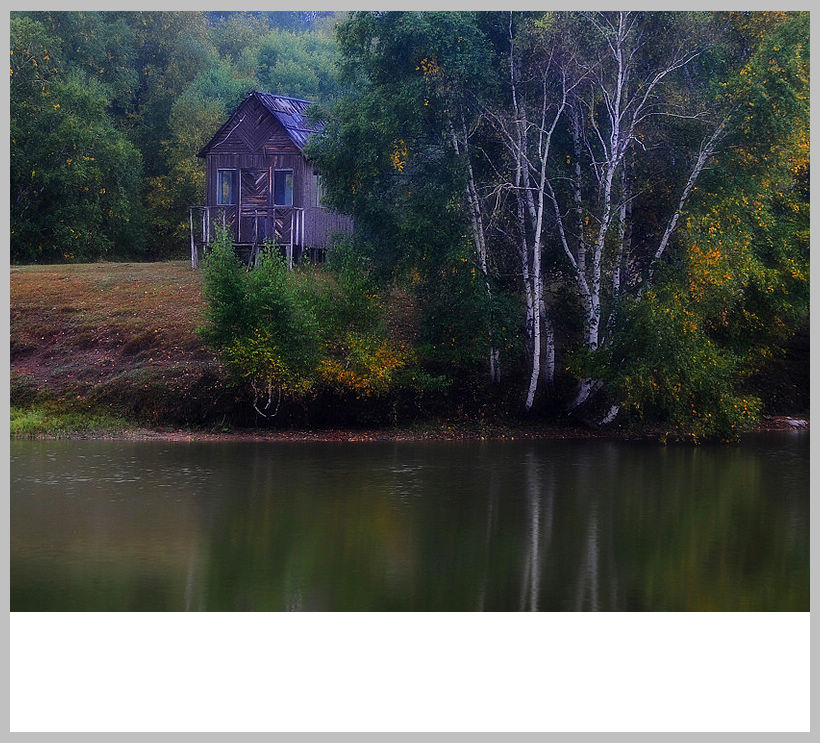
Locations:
{"points": [[386, 149], [299, 63], [747, 241], [224, 291], [172, 49], [355, 303], [260, 321], [281, 310], [35, 413], [195, 115], [664, 369], [109, 110], [259, 361], [264, 306], [236, 37], [51, 420], [103, 46], [294, 333], [360, 355], [460, 321], [387, 152], [74, 178], [741, 287]]}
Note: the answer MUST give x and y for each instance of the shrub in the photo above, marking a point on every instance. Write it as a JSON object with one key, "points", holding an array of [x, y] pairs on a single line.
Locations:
{"points": [[287, 334], [666, 369]]}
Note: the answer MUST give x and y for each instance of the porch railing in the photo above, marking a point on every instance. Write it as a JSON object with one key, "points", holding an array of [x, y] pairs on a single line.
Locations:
{"points": [[283, 225]]}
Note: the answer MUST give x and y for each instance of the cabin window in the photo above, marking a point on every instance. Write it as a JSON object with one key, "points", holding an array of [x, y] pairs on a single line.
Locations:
{"points": [[318, 190], [226, 187], [283, 188]]}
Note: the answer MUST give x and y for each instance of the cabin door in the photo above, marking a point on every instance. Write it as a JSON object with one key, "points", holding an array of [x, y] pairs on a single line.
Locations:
{"points": [[256, 201]]}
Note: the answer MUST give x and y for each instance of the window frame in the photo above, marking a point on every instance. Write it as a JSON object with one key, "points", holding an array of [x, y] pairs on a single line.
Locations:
{"points": [[318, 190], [292, 184], [233, 190]]}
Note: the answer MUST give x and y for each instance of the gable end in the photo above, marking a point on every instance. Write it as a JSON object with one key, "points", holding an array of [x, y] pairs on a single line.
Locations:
{"points": [[263, 122]]}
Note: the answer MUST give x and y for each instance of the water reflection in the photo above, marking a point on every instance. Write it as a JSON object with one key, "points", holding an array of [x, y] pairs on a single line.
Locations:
{"points": [[538, 489], [530, 526]]}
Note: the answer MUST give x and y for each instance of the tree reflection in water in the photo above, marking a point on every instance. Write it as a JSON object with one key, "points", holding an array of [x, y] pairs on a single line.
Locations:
{"points": [[429, 526]]}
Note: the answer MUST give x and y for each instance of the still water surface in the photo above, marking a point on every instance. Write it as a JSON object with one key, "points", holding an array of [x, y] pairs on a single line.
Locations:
{"points": [[459, 526]]}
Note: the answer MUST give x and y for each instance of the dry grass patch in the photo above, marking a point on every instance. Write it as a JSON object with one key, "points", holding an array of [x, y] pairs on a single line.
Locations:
{"points": [[77, 328]]}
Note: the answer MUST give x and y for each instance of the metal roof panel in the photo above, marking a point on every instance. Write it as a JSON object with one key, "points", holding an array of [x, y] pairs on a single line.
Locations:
{"points": [[290, 112]]}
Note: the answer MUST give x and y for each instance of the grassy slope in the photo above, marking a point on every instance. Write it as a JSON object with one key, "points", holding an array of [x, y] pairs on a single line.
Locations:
{"points": [[115, 337]]}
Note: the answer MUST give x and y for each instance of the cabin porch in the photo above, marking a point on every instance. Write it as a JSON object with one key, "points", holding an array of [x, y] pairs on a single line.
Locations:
{"points": [[282, 225]]}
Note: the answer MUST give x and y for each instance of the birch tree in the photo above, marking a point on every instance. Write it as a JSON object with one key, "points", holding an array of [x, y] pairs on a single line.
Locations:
{"points": [[693, 352], [541, 77], [583, 93], [626, 89]]}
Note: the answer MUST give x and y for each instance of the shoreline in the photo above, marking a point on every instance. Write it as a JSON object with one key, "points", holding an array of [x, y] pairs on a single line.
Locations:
{"points": [[445, 432]]}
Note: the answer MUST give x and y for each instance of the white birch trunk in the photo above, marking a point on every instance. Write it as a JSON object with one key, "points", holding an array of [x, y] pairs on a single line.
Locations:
{"points": [[706, 151], [622, 251], [530, 258], [548, 362], [477, 226]]}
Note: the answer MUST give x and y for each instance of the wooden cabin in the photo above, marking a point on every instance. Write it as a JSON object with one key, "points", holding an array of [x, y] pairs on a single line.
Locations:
{"points": [[259, 185]]}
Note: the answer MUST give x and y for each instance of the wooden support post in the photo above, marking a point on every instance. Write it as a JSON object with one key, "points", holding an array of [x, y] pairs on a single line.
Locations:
{"points": [[255, 246], [300, 232], [238, 206], [290, 243], [270, 235], [194, 254]]}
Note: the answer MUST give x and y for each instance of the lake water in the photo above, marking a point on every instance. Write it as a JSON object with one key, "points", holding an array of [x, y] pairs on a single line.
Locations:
{"points": [[425, 526]]}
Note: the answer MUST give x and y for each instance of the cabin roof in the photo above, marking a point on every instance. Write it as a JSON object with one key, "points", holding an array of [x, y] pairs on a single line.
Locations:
{"points": [[289, 112]]}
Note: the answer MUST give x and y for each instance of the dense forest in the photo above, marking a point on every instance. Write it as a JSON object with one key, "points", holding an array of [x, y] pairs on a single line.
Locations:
{"points": [[601, 216]]}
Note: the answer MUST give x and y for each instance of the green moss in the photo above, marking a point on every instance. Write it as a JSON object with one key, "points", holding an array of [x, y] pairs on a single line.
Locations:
{"points": [[49, 421], [23, 389]]}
